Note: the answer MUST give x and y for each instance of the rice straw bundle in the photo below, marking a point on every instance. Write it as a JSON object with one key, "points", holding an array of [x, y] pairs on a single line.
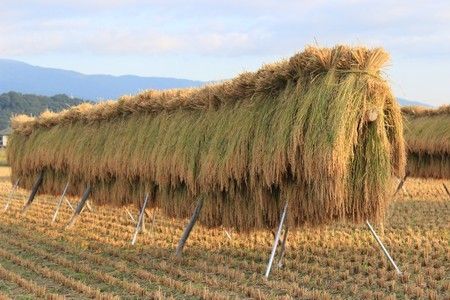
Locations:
{"points": [[427, 134], [321, 130]]}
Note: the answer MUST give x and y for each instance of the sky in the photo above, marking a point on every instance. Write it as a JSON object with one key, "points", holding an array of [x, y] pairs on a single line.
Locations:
{"points": [[213, 40]]}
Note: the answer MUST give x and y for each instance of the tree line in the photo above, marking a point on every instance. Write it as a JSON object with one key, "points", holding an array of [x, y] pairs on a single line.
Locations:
{"points": [[13, 103]]}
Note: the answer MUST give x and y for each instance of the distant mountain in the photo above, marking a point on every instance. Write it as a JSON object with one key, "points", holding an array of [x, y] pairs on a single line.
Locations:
{"points": [[16, 103], [405, 102], [21, 77], [24, 78]]}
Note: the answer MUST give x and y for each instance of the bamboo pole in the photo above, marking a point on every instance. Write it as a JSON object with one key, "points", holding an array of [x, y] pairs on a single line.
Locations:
{"points": [[140, 220], [383, 248], [70, 205], [446, 189], [400, 184], [276, 241], [227, 234], [11, 194], [189, 227], [88, 205], [130, 215], [34, 191], [80, 206], [153, 218], [60, 202]]}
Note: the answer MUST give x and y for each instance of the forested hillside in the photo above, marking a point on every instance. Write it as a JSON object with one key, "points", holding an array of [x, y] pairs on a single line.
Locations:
{"points": [[16, 103]]}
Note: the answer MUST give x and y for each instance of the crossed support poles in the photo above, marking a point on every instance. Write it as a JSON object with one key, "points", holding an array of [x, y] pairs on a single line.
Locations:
{"points": [[130, 215], [80, 206], [64, 198], [139, 224], [11, 194], [283, 245], [401, 185], [33, 193], [58, 206]]}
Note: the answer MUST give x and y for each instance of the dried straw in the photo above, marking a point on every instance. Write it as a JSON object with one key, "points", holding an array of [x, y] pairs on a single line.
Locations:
{"points": [[321, 130], [427, 134]]}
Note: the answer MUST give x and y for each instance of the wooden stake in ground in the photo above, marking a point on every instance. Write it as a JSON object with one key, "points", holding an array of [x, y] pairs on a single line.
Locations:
{"points": [[140, 220], [276, 241], [400, 184], [11, 194], [88, 205], [130, 215], [80, 206], [153, 218], [446, 189], [383, 248], [189, 227], [34, 190], [227, 234], [60, 202], [283, 247], [142, 207], [69, 204]]}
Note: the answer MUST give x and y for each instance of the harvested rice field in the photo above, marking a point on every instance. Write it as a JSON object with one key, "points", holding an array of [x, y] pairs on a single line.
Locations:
{"points": [[94, 258]]}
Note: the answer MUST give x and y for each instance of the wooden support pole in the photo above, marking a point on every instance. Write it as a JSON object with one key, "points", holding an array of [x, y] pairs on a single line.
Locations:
{"points": [[11, 194], [383, 248], [283, 247], [140, 220], [189, 227], [80, 206], [446, 189], [88, 205], [400, 184], [404, 189], [274, 234], [34, 191], [276, 241], [227, 234], [60, 202], [130, 215], [70, 205], [153, 218]]}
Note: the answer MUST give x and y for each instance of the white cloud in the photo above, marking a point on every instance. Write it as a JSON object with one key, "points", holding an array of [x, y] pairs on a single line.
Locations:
{"points": [[253, 30]]}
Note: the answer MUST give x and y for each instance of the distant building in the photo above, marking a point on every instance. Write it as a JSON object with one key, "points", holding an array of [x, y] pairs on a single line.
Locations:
{"points": [[4, 136]]}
